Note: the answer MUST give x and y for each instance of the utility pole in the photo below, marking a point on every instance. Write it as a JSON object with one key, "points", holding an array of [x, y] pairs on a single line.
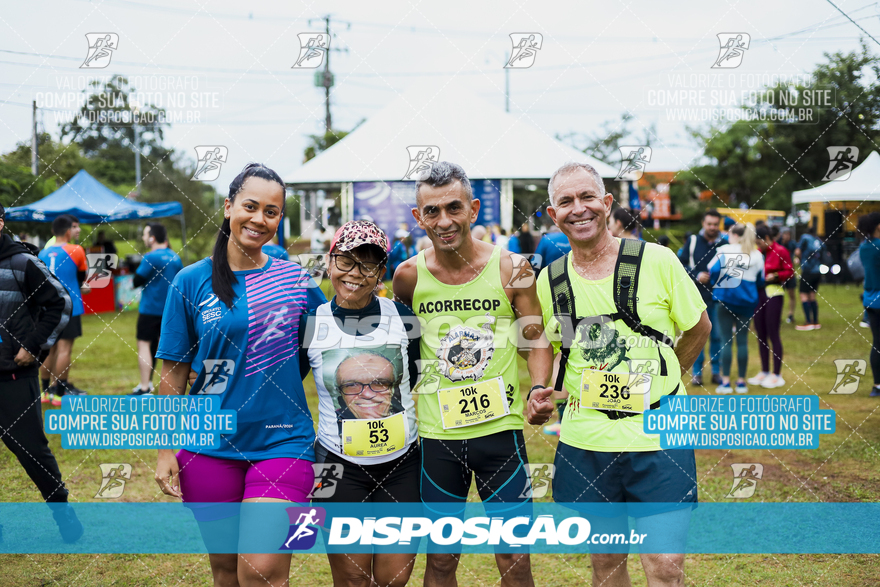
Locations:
{"points": [[327, 78], [34, 140]]}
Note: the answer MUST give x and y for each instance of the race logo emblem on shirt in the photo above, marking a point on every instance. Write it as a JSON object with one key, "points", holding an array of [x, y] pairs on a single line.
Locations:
{"points": [[633, 160], [101, 48], [732, 48], [421, 161], [327, 477], [525, 47], [745, 479], [849, 375], [733, 267], [303, 530], [842, 162], [538, 483], [465, 351], [312, 47], [429, 377], [315, 266], [210, 309], [210, 158], [523, 274], [600, 343], [113, 478], [217, 374], [101, 266]]}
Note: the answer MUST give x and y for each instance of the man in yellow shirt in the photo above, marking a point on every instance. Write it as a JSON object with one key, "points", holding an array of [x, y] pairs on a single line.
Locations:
{"points": [[623, 301]]}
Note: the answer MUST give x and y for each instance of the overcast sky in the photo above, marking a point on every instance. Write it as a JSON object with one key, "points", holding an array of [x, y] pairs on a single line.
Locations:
{"points": [[597, 60]]}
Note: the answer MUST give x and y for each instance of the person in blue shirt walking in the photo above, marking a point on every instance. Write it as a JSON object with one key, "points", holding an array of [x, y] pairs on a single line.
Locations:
{"points": [[276, 251], [736, 273], [157, 270], [869, 252], [234, 319]]}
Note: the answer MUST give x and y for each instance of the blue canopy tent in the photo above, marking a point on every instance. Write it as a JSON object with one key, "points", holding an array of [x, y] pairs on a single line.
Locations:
{"points": [[93, 203]]}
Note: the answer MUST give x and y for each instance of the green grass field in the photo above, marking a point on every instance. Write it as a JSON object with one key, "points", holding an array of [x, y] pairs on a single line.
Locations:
{"points": [[844, 469]]}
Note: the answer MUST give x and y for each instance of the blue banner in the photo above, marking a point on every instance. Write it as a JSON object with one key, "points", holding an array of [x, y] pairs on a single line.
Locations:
{"points": [[357, 527]]}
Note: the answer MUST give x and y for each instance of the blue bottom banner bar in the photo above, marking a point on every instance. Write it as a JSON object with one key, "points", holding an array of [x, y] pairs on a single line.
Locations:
{"points": [[471, 528]]}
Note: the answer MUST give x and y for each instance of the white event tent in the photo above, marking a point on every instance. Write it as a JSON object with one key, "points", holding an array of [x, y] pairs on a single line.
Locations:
{"points": [[863, 185], [486, 141]]}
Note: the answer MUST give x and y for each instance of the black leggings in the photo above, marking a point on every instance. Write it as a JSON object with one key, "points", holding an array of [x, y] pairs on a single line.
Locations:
{"points": [[767, 321], [874, 321], [21, 426]]}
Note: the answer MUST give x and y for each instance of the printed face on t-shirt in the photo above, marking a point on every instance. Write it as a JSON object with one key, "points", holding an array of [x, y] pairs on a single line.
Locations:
{"points": [[366, 384]]}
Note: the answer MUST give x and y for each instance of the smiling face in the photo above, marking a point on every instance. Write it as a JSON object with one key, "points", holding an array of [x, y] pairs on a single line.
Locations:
{"points": [[353, 288], [366, 369], [255, 213], [146, 237], [580, 207], [446, 214]]}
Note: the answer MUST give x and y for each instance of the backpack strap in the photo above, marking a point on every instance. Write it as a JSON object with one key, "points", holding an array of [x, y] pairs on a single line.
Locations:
{"points": [[626, 287], [563, 309]]}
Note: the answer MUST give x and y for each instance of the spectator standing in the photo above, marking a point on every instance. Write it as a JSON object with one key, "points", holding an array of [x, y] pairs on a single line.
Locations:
{"points": [[791, 285], [696, 254], [869, 251], [156, 272], [554, 244], [809, 251]]}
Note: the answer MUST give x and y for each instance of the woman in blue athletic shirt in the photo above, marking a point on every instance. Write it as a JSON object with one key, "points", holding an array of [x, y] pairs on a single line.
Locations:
{"points": [[234, 319]]}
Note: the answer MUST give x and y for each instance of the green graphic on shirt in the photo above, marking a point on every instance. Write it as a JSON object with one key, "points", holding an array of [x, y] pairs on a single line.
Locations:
{"points": [[601, 345]]}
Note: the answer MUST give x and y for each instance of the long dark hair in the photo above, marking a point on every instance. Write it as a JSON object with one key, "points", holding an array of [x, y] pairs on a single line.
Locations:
{"points": [[222, 277]]}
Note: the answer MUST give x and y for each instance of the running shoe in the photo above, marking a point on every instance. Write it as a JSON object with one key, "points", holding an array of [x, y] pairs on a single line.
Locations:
{"points": [[71, 389], [817, 326], [741, 387], [790, 319], [724, 389], [44, 397], [803, 327], [759, 378], [138, 391], [875, 392], [68, 524], [553, 429], [772, 381], [55, 394], [864, 324], [716, 379], [697, 381]]}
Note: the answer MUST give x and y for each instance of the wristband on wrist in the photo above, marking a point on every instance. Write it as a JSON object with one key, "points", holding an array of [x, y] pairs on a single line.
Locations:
{"points": [[534, 387]]}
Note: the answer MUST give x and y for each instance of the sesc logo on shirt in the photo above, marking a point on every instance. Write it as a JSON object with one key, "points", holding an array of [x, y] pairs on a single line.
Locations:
{"points": [[210, 309]]}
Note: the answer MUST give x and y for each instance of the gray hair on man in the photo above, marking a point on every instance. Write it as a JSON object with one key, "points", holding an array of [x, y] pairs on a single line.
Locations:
{"points": [[574, 166], [443, 173]]}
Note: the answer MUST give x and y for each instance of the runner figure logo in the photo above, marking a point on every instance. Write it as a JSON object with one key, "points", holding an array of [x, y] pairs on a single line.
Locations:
{"points": [[646, 368], [217, 374], [842, 162], [733, 47], [849, 374], [745, 479], [633, 160], [113, 478], [465, 351], [312, 47], [327, 477], [101, 266], [429, 377], [538, 483], [525, 49], [523, 274], [421, 160], [314, 266], [302, 533], [210, 159], [732, 270], [101, 48]]}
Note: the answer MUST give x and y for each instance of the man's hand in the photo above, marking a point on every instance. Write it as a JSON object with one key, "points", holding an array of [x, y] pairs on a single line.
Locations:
{"points": [[540, 406], [23, 358], [703, 277]]}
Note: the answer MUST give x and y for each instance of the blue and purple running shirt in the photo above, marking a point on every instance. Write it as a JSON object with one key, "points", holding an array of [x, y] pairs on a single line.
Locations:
{"points": [[248, 355]]}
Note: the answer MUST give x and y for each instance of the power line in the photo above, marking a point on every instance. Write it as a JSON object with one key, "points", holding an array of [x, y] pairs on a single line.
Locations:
{"points": [[854, 22]]}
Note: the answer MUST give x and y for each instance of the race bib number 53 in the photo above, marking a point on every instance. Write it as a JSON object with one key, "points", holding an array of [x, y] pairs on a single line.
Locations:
{"points": [[624, 392], [472, 404], [371, 438]]}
